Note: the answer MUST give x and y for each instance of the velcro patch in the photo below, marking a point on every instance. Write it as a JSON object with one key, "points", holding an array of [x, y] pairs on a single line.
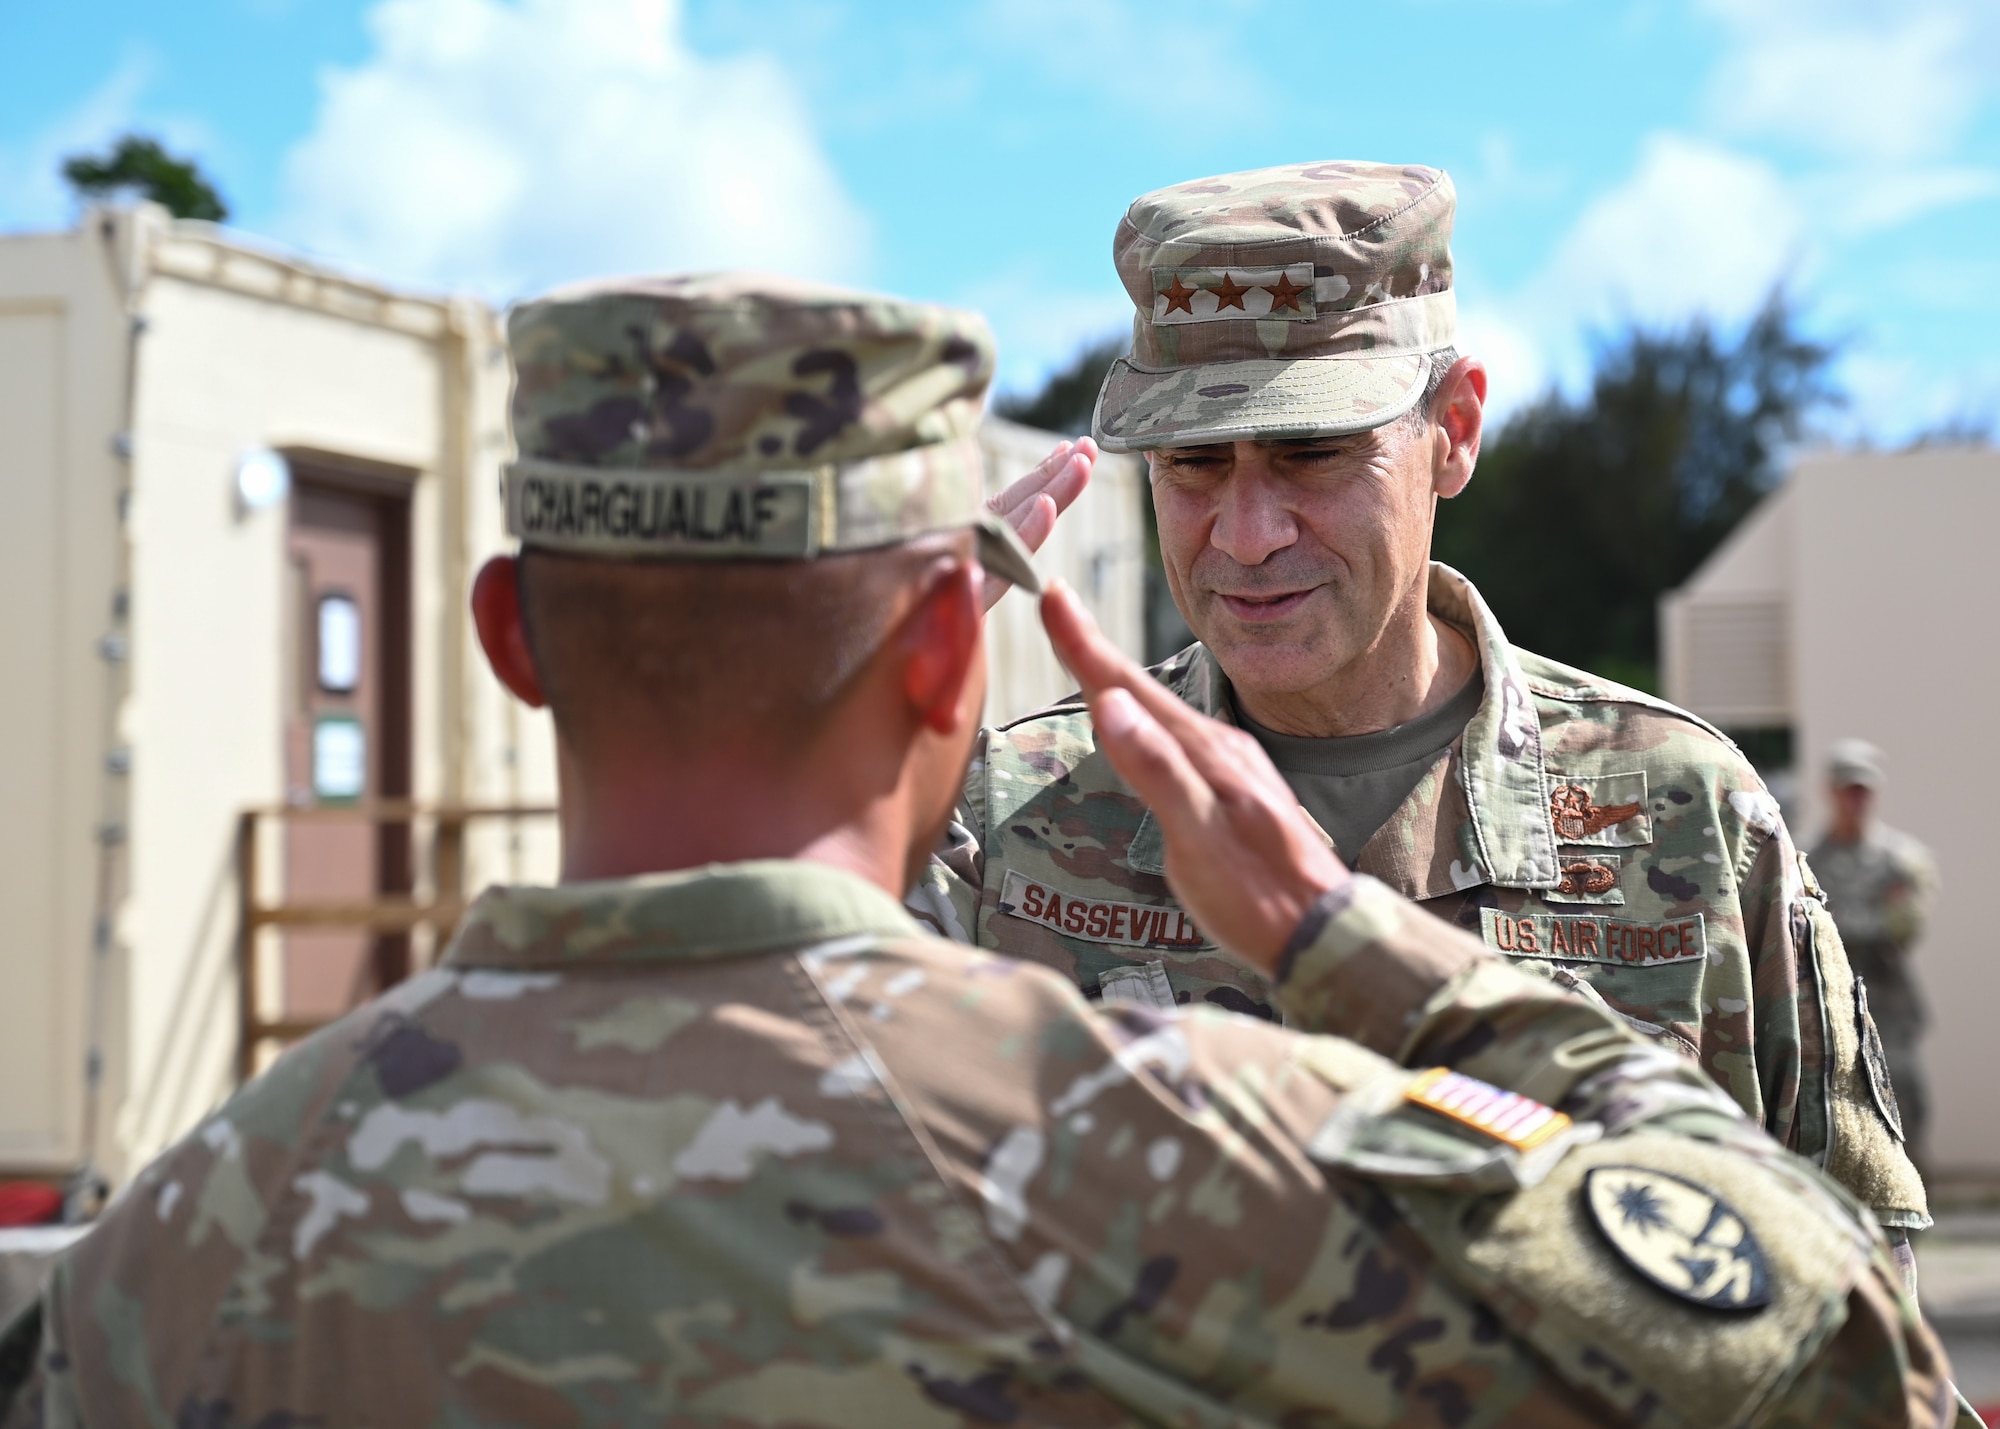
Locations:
{"points": [[1683, 1237], [1582, 938], [1200, 295], [1097, 920], [1522, 1122]]}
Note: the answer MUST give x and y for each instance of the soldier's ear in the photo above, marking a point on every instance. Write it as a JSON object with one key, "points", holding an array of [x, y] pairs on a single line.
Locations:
{"points": [[1458, 419], [940, 644], [496, 614]]}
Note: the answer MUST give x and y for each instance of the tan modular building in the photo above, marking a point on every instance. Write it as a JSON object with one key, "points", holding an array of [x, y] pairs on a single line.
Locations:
{"points": [[246, 496], [1852, 602]]}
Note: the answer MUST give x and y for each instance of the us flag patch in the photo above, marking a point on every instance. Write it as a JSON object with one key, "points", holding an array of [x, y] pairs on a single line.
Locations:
{"points": [[1522, 1122]]}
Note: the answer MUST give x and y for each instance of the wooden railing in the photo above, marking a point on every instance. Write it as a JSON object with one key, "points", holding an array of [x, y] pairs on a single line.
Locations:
{"points": [[385, 913]]}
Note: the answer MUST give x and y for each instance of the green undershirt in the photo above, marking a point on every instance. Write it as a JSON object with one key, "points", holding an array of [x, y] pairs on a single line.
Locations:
{"points": [[1351, 786]]}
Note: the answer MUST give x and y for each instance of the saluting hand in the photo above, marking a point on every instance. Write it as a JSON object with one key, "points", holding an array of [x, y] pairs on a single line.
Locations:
{"points": [[1241, 855], [1032, 504]]}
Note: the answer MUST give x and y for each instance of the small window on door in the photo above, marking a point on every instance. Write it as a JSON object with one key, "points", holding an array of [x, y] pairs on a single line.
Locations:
{"points": [[339, 644]]}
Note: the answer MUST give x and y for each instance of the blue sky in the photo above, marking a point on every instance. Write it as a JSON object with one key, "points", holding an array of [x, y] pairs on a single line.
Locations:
{"points": [[1646, 161]]}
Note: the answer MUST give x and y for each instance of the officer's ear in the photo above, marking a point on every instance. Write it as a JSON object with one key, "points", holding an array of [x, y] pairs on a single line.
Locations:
{"points": [[940, 644], [496, 614], [1458, 416]]}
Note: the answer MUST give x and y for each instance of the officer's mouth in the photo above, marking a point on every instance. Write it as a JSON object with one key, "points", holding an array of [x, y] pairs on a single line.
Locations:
{"points": [[1264, 609]]}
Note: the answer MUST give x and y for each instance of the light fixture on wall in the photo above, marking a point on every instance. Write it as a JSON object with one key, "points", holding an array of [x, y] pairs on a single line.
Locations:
{"points": [[263, 479]]}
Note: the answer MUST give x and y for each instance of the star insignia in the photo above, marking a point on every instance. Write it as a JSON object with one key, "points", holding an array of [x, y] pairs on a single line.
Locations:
{"points": [[1180, 297], [1228, 294], [1285, 294]]}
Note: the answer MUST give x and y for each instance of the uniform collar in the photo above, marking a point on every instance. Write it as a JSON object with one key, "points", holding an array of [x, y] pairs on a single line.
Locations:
{"points": [[723, 910], [1498, 761]]}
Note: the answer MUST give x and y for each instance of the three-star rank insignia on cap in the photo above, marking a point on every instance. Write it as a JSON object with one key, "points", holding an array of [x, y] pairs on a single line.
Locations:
{"points": [[1684, 1238]]}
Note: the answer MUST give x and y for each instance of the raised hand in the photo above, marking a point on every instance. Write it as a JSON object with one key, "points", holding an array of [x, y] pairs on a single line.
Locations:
{"points": [[1242, 857], [1032, 504]]}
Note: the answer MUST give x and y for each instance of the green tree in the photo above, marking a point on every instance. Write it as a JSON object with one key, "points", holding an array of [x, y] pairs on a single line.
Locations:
{"points": [[1583, 513], [139, 165]]}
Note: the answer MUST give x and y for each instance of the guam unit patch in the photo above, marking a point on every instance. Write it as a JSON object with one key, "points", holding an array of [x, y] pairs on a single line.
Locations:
{"points": [[1685, 1239]]}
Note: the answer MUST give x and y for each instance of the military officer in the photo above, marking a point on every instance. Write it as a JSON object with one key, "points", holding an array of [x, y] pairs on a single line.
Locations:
{"points": [[1880, 884], [714, 1133], [1294, 385]]}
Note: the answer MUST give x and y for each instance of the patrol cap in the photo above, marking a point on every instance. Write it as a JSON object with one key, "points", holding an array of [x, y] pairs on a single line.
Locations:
{"points": [[1299, 301], [1855, 761], [744, 416]]}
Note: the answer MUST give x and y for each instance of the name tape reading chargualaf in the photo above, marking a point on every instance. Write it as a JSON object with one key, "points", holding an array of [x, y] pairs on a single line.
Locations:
{"points": [[768, 514]]}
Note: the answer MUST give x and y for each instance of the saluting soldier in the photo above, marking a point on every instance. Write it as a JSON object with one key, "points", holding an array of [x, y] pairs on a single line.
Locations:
{"points": [[713, 1132], [1295, 385]]}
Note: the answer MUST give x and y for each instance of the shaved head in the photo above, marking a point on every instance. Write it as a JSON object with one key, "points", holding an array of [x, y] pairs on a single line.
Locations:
{"points": [[736, 650]]}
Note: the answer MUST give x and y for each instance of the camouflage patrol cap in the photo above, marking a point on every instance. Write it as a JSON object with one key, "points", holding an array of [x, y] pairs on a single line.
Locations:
{"points": [[1855, 761], [739, 415], [1298, 301]]}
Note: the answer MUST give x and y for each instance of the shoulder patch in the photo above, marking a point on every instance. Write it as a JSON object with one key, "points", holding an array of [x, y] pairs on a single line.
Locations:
{"points": [[1683, 1237], [1875, 1058]]}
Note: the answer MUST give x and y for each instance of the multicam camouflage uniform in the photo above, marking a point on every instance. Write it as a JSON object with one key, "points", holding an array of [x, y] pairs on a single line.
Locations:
{"points": [[742, 1145], [1587, 831], [1879, 890]]}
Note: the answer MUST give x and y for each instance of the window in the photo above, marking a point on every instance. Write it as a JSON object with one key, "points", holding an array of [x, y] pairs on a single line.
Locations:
{"points": [[339, 644]]}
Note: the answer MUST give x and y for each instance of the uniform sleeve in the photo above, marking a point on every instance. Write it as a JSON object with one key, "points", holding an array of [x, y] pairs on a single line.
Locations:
{"points": [[1221, 1217], [1907, 907], [1818, 1098], [945, 897]]}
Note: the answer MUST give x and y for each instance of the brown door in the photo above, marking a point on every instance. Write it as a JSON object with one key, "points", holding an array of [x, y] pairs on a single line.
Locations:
{"points": [[347, 741]]}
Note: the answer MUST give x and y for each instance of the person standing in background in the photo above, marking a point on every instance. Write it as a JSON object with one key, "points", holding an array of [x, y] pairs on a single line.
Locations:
{"points": [[1879, 884]]}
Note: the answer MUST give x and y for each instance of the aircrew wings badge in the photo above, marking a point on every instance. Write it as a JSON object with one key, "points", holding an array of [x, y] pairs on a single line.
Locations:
{"points": [[1684, 1238]]}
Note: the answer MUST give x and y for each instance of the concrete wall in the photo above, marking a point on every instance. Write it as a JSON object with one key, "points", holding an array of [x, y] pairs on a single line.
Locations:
{"points": [[242, 350], [1882, 568], [1894, 589], [62, 361], [1098, 547]]}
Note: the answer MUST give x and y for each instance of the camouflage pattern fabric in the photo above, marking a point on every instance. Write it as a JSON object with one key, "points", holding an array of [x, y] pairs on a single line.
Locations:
{"points": [[1285, 302], [1590, 833], [1879, 890], [743, 1146], [740, 415]]}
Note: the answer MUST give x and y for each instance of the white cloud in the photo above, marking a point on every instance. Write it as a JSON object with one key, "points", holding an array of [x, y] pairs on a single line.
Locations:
{"points": [[1695, 230], [504, 145], [1041, 325], [1877, 79]]}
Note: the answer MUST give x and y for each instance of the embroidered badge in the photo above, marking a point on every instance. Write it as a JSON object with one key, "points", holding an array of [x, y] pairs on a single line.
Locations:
{"points": [[1587, 876], [1522, 1122], [1195, 295], [1577, 817], [1684, 1238], [1875, 1057], [1580, 938], [1096, 920]]}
